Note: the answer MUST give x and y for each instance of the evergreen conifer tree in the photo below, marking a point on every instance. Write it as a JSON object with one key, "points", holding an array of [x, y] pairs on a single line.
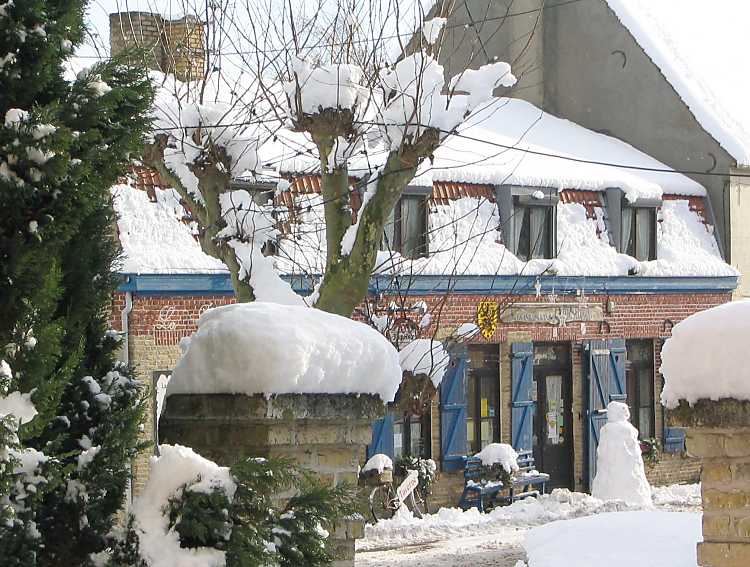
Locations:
{"points": [[63, 474]]}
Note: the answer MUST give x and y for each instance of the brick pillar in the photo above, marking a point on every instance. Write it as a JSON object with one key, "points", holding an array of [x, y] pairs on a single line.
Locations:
{"points": [[322, 432], [719, 432], [184, 49], [138, 30]]}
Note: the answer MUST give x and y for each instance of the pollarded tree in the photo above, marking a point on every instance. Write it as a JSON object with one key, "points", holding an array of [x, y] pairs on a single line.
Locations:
{"points": [[332, 86], [70, 414]]}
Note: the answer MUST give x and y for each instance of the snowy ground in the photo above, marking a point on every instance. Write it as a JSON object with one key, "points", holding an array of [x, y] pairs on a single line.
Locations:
{"points": [[453, 538]]}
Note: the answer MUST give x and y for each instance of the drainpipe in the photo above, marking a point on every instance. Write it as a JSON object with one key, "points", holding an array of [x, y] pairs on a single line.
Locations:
{"points": [[124, 354], [125, 358]]}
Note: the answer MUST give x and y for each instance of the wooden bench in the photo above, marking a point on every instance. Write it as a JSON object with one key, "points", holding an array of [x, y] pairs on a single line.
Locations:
{"points": [[483, 485]]}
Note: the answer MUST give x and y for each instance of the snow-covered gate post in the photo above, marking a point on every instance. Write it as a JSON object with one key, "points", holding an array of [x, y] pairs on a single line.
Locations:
{"points": [[269, 380], [707, 389], [326, 433]]}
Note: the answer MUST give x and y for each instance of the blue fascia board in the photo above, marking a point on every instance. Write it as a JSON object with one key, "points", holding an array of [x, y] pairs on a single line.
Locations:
{"points": [[220, 284]]}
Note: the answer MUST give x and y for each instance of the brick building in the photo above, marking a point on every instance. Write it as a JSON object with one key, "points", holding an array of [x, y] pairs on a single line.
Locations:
{"points": [[575, 272]]}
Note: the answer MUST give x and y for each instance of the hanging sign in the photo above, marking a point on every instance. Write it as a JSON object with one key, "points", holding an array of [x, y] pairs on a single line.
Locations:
{"points": [[487, 318]]}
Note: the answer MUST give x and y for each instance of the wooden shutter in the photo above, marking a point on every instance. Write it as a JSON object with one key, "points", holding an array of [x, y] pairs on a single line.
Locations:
{"points": [[382, 437], [674, 440], [606, 383], [523, 406], [453, 415]]}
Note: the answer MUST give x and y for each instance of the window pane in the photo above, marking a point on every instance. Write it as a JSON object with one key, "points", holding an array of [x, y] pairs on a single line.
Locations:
{"points": [[644, 229], [540, 229], [627, 236], [521, 223], [471, 395], [487, 432], [398, 439], [412, 226], [416, 439]]}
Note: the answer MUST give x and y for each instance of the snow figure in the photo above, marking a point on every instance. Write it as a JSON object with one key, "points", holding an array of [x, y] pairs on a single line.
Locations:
{"points": [[619, 466]]}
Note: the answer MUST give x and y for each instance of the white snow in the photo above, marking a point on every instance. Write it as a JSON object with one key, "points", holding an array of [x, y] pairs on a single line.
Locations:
{"points": [[474, 156], [702, 72], [425, 356], [432, 28], [378, 462], [176, 467], [499, 453], [87, 455], [700, 359], [681, 495], [325, 86], [154, 239], [620, 539], [267, 348], [19, 405], [620, 474]]}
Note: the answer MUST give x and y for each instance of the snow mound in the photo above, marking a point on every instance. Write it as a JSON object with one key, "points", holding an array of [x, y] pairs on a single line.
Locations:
{"points": [[19, 405], [677, 495], [266, 348], [176, 467], [378, 462], [711, 371], [621, 539], [425, 356], [499, 453], [620, 474]]}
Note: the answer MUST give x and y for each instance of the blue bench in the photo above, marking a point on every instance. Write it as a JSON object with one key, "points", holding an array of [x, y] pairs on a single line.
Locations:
{"points": [[483, 485]]}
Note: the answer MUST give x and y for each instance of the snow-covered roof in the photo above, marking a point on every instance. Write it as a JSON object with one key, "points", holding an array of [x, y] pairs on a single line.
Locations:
{"points": [[698, 47]]}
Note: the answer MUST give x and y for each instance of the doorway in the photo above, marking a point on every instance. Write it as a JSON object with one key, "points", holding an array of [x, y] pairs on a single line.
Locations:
{"points": [[553, 427]]}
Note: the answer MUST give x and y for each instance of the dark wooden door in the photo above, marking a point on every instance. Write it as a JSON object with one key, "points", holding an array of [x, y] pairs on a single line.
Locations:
{"points": [[553, 443]]}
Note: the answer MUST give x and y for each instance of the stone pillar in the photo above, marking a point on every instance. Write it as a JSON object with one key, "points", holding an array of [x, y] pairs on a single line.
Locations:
{"points": [[138, 30], [323, 432], [719, 432]]}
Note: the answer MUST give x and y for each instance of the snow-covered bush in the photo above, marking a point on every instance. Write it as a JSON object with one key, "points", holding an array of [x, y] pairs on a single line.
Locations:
{"points": [[194, 513], [426, 470]]}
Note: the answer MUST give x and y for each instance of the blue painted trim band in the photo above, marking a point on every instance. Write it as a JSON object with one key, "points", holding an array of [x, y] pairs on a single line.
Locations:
{"points": [[220, 284]]}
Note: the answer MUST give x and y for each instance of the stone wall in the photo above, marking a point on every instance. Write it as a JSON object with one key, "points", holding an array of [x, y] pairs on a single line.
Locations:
{"points": [[719, 432]]}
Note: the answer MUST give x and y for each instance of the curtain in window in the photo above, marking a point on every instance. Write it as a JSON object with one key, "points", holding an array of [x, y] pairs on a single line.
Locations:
{"points": [[539, 232], [412, 227], [626, 232], [389, 232], [521, 236], [643, 236]]}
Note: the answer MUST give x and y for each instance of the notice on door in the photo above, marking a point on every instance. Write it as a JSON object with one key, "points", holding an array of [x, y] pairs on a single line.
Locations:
{"points": [[554, 415]]}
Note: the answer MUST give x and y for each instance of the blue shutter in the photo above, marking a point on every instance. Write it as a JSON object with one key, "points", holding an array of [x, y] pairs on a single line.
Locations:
{"points": [[523, 406], [606, 383], [453, 415], [382, 437], [674, 439]]}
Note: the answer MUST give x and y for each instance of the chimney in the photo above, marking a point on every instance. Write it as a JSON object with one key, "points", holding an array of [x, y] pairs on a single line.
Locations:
{"points": [[171, 46]]}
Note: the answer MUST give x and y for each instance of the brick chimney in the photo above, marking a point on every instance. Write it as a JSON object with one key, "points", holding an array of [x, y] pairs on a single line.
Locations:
{"points": [[172, 46]]}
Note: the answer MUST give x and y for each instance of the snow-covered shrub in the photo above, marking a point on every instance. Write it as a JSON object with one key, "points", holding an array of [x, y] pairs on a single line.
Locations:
{"points": [[195, 513], [426, 469]]}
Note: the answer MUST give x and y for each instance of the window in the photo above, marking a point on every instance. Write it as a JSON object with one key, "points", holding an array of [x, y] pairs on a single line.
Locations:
{"points": [[533, 226], [528, 220], [406, 229], [408, 437], [639, 368], [483, 397], [638, 237]]}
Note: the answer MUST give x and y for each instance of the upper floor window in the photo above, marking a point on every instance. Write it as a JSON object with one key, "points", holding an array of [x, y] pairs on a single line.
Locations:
{"points": [[533, 226], [528, 221], [639, 232], [632, 224], [406, 229]]}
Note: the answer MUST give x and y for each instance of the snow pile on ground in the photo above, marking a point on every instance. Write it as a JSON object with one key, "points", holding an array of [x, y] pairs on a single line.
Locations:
{"points": [[701, 72], [501, 454], [677, 495], [700, 359], [425, 356], [620, 474], [622, 539], [154, 238], [266, 348], [378, 462], [176, 467], [560, 504]]}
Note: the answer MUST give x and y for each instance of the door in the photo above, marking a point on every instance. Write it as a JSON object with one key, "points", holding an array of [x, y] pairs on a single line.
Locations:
{"points": [[553, 446], [606, 383]]}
